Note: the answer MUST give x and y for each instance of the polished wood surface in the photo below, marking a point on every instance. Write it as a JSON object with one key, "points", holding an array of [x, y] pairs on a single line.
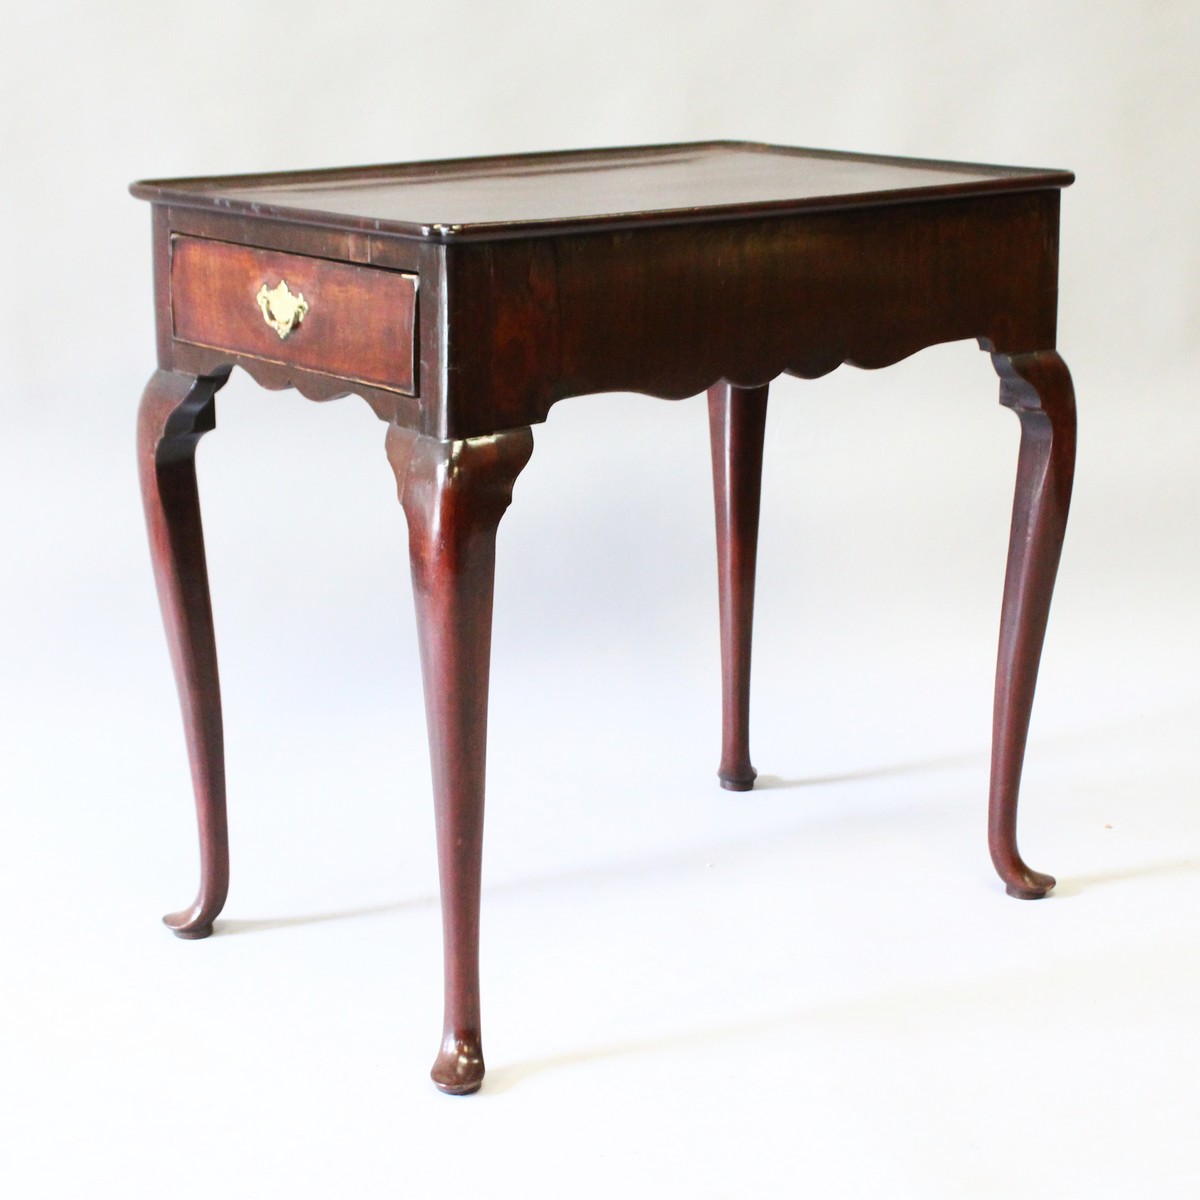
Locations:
{"points": [[508, 327], [737, 421], [454, 494], [176, 412], [1037, 387], [359, 322], [666, 310], [663, 270], [187, 358], [527, 194]]}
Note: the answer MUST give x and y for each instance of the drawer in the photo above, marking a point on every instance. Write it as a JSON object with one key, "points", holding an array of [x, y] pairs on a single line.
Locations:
{"points": [[337, 318]]}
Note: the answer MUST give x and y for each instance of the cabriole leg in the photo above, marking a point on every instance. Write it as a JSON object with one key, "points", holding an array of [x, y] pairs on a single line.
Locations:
{"points": [[176, 411], [454, 494], [737, 421], [1038, 388]]}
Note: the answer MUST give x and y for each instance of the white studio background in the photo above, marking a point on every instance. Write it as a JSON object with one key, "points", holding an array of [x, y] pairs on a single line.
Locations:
{"points": [[818, 988]]}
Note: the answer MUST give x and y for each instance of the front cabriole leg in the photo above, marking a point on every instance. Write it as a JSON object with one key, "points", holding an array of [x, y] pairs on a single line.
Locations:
{"points": [[1038, 388], [176, 411], [454, 494]]}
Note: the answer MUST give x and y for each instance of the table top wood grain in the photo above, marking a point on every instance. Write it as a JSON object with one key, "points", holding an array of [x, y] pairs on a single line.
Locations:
{"points": [[530, 194]]}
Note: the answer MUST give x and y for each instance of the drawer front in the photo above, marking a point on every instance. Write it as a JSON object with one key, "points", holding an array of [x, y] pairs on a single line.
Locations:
{"points": [[355, 322]]}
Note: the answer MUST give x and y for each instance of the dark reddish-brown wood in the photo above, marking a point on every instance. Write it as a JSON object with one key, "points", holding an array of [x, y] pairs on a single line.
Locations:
{"points": [[668, 310], [737, 421], [176, 411], [1037, 387], [359, 323], [454, 494], [549, 276], [515, 195], [663, 270]]}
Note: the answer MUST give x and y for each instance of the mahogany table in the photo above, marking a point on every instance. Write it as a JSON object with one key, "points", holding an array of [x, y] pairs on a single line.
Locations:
{"points": [[461, 299]]}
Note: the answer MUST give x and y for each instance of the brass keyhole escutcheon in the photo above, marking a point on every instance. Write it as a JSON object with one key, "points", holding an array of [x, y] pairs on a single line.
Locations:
{"points": [[282, 310]]}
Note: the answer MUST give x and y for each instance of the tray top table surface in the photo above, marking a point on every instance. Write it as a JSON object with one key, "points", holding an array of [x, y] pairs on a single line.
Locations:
{"points": [[523, 195]]}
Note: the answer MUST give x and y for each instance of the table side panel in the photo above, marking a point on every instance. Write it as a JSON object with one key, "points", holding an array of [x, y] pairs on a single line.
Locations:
{"points": [[389, 253], [359, 323], [670, 311]]}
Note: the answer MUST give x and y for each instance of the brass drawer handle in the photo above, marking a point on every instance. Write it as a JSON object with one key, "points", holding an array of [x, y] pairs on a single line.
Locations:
{"points": [[280, 309]]}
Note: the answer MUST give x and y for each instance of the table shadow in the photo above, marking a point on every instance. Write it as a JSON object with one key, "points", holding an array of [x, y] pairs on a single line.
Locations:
{"points": [[1076, 885], [225, 926], [1067, 888], [772, 782]]}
